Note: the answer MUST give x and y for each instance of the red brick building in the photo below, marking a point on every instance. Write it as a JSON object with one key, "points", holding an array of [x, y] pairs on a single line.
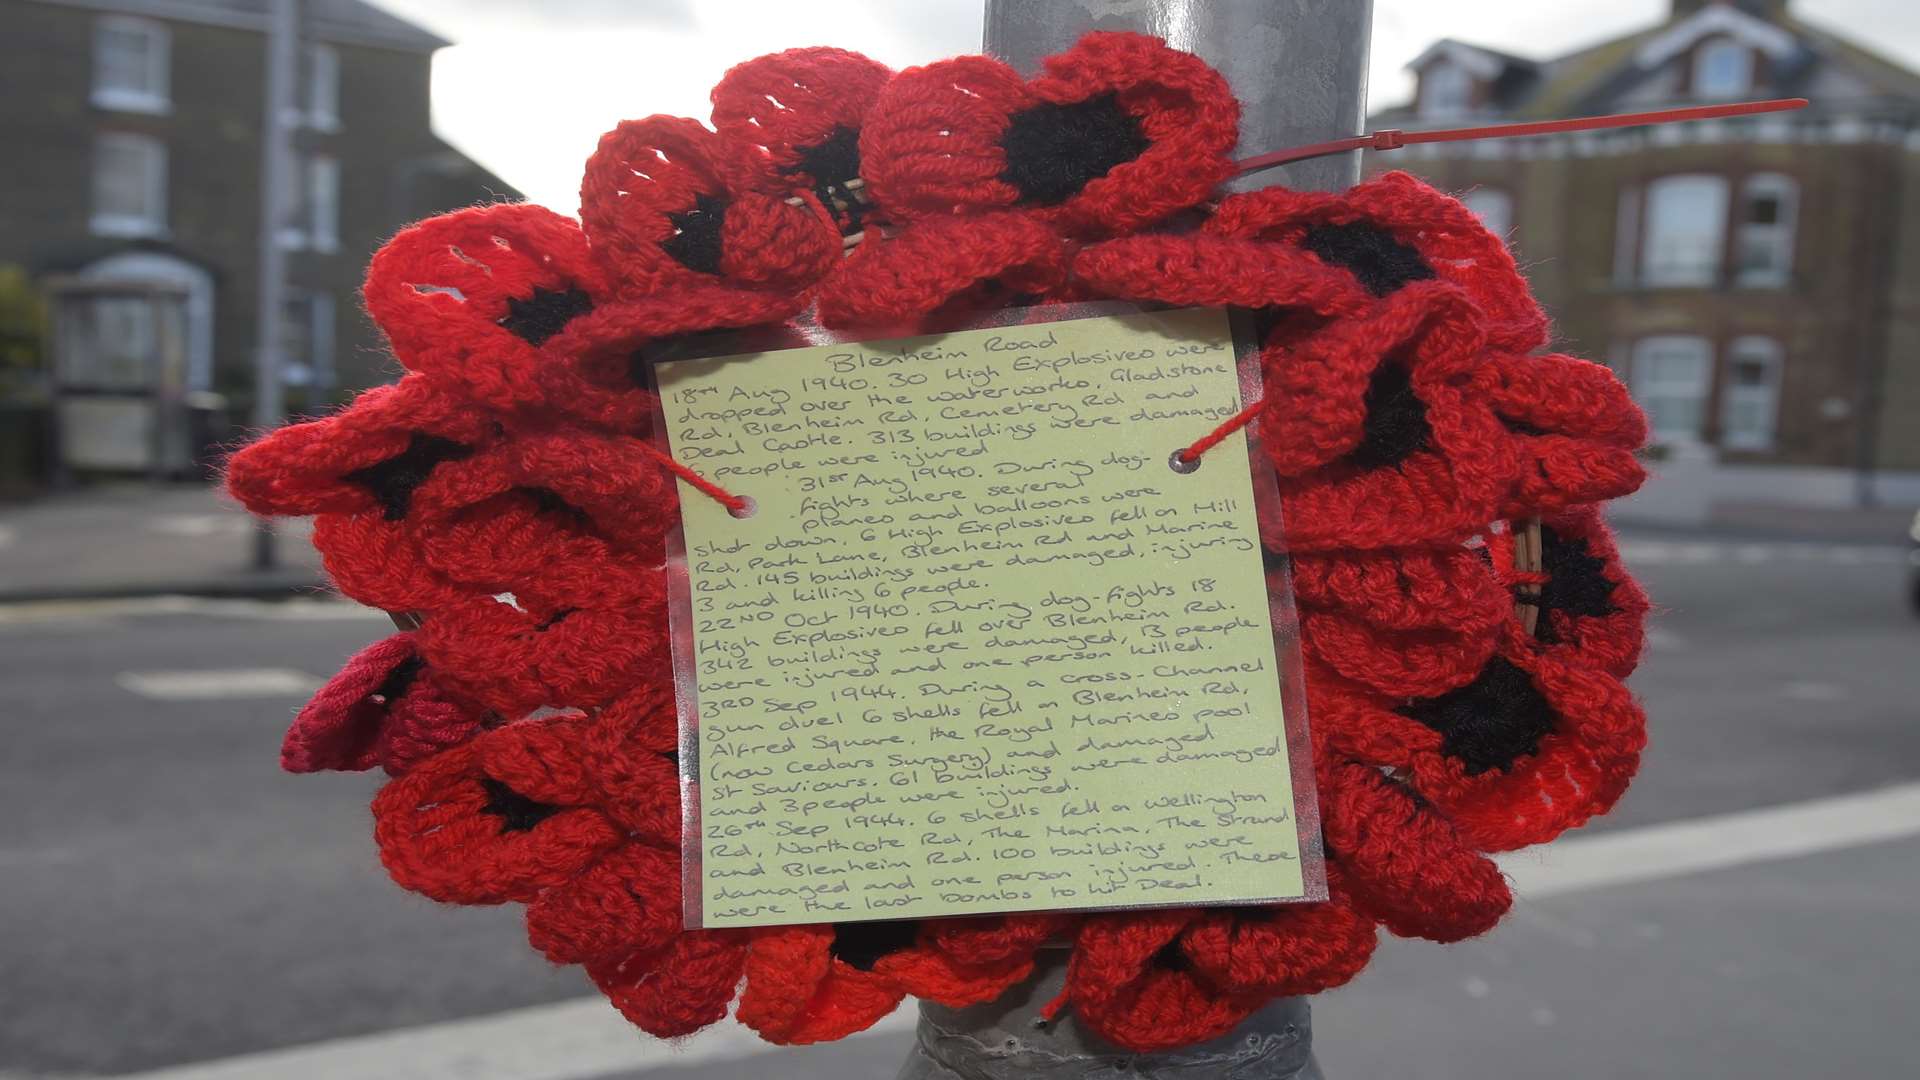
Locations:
{"points": [[133, 135], [1756, 281]]}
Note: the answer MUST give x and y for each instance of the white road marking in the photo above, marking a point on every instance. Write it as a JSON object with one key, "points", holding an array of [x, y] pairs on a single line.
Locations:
{"points": [[1702, 553], [54, 856], [1814, 691], [1716, 843], [1647, 552], [8, 534], [200, 525], [218, 685], [297, 609], [575, 1040], [316, 609], [1661, 639]]}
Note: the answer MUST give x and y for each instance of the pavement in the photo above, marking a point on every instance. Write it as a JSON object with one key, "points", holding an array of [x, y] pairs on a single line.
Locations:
{"points": [[138, 539], [135, 539], [175, 907]]}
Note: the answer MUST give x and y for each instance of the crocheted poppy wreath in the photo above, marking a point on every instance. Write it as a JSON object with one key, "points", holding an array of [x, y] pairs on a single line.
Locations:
{"points": [[506, 493]]}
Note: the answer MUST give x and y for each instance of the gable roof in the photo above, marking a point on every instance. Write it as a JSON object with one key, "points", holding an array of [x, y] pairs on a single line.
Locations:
{"points": [[1483, 62], [351, 22], [1587, 82], [1676, 39], [1890, 76]]}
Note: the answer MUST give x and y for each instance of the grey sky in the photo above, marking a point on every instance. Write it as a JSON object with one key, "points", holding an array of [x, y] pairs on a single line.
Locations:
{"points": [[531, 84]]}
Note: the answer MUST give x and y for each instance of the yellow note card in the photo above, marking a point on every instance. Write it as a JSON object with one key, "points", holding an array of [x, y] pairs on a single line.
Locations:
{"points": [[979, 647]]}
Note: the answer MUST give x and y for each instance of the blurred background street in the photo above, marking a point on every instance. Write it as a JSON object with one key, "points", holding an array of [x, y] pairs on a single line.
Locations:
{"points": [[172, 898], [180, 251]]}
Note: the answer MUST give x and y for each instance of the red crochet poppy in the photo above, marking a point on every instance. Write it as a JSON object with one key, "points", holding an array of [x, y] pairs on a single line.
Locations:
{"points": [[1129, 982], [1375, 430], [1533, 746], [678, 989], [798, 992], [805, 107], [1405, 865], [1282, 950], [515, 661], [685, 229], [367, 457], [1199, 269], [1591, 611], [681, 213], [358, 470], [500, 818], [1577, 430], [1388, 231], [1118, 131], [517, 814], [487, 299], [445, 506], [1409, 623], [384, 708], [933, 970], [983, 176]]}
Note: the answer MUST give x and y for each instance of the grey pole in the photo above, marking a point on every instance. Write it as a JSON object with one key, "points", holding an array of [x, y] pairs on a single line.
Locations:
{"points": [[1299, 68], [276, 164]]}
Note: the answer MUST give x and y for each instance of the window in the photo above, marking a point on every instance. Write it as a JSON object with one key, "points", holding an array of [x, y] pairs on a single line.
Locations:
{"points": [[1446, 90], [129, 185], [1763, 236], [1686, 230], [1750, 399], [323, 203], [1494, 209], [130, 71], [1626, 237], [109, 341], [1670, 380], [306, 339], [320, 89], [313, 205], [1722, 69]]}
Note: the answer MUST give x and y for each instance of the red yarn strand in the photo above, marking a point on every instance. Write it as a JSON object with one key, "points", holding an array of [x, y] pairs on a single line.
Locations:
{"points": [[733, 503], [1050, 1012], [1220, 434]]}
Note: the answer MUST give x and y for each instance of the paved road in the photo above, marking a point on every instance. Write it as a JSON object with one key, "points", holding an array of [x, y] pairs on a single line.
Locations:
{"points": [[168, 897], [189, 538]]}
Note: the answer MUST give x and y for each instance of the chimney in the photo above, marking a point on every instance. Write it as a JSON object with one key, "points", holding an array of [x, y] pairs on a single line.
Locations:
{"points": [[1770, 10]]}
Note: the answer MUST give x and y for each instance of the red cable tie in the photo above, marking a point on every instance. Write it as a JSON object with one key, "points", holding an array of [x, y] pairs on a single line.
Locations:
{"points": [[1394, 139], [1500, 546], [728, 499], [1500, 550]]}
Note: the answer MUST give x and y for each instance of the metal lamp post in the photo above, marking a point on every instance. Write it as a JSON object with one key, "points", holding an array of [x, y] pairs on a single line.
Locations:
{"points": [[1299, 68], [276, 167]]}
